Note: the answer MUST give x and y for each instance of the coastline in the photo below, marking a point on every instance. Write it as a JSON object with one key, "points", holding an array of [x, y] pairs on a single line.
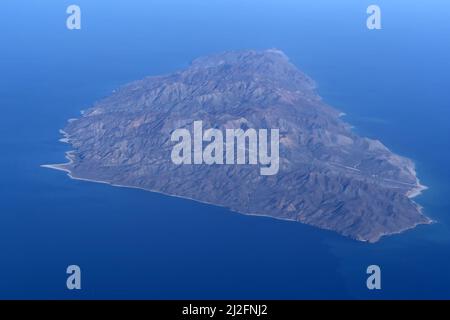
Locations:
{"points": [[417, 191], [410, 194], [413, 188]]}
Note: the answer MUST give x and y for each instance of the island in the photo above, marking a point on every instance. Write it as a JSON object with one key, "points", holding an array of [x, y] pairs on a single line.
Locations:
{"points": [[328, 176]]}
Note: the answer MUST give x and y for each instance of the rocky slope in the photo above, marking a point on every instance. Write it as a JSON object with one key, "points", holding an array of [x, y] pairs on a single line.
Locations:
{"points": [[329, 177]]}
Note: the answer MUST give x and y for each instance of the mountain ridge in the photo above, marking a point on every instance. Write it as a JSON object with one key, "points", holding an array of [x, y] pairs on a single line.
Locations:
{"points": [[329, 177]]}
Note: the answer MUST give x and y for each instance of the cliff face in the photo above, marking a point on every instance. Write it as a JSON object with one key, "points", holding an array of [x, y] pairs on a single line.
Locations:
{"points": [[328, 176]]}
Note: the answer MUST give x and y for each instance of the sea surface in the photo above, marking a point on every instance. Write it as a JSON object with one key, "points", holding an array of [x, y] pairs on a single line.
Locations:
{"points": [[393, 84]]}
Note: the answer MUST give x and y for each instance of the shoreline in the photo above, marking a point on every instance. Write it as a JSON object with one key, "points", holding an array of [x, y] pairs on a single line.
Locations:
{"points": [[417, 191], [410, 194]]}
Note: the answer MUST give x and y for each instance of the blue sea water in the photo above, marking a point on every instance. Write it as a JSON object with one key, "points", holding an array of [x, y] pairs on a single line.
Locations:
{"points": [[392, 83]]}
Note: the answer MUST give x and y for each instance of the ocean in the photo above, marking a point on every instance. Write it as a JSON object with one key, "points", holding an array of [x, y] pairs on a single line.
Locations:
{"points": [[391, 83]]}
